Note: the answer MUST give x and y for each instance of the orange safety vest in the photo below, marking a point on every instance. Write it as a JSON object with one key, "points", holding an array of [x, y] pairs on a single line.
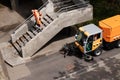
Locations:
{"points": [[37, 16]]}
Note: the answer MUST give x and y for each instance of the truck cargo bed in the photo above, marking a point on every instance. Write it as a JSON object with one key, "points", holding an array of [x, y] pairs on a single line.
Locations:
{"points": [[111, 28]]}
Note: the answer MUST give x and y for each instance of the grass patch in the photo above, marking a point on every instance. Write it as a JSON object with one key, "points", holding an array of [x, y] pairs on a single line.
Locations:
{"points": [[103, 9]]}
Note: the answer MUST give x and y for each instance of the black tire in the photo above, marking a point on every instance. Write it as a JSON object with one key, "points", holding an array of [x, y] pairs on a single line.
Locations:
{"points": [[107, 45], [88, 58], [118, 44], [97, 52]]}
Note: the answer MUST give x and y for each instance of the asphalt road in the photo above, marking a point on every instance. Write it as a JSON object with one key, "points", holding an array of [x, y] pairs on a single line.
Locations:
{"points": [[107, 69], [110, 70], [56, 66]]}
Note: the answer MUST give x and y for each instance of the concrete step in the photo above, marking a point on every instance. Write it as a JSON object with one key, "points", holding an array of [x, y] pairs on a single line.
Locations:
{"points": [[44, 22], [32, 31], [20, 42], [35, 32], [49, 17], [31, 34], [10, 55], [16, 42], [44, 25], [17, 47], [27, 37], [47, 20], [38, 29], [23, 39]]}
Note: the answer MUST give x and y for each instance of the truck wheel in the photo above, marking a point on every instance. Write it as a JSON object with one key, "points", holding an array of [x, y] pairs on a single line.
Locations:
{"points": [[88, 58], [98, 52], [118, 44]]}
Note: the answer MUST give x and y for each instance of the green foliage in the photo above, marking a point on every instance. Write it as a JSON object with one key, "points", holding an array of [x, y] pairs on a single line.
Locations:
{"points": [[103, 9]]}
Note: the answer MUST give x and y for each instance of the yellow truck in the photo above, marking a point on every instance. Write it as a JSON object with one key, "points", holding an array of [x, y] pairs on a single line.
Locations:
{"points": [[91, 38]]}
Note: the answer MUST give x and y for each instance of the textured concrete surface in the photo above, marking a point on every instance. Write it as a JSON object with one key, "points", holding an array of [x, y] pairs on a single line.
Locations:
{"points": [[3, 70], [23, 27], [104, 67], [54, 46], [110, 71], [56, 66], [9, 19], [4, 37], [18, 72], [65, 19], [10, 54], [107, 69]]}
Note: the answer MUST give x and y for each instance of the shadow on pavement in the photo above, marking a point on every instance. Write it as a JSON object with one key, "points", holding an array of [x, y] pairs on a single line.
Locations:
{"points": [[6, 3], [24, 7]]}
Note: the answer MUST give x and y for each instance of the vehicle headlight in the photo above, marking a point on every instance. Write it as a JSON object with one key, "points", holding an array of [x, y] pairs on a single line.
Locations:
{"points": [[76, 37]]}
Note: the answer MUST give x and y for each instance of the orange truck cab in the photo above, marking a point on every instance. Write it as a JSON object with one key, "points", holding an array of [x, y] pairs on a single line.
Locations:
{"points": [[111, 31]]}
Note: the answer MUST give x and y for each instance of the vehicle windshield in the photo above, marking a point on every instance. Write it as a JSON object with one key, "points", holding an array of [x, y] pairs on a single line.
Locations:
{"points": [[81, 37]]}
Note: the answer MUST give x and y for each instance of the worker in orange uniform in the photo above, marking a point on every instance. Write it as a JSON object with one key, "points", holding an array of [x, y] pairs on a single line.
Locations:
{"points": [[37, 16]]}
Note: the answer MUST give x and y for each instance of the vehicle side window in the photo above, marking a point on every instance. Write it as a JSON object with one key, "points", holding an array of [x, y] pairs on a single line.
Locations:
{"points": [[89, 43], [90, 39], [96, 36]]}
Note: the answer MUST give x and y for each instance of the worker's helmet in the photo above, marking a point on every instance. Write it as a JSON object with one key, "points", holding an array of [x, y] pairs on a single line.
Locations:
{"points": [[34, 10]]}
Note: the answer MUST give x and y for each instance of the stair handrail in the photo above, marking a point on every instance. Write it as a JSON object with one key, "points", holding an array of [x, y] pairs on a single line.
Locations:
{"points": [[67, 8], [63, 1], [30, 16]]}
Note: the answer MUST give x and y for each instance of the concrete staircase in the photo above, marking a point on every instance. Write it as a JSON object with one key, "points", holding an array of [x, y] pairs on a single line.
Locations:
{"points": [[28, 39], [28, 33]]}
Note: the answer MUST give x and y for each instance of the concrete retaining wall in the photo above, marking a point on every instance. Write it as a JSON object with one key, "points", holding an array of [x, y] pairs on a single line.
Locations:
{"points": [[64, 20], [19, 32]]}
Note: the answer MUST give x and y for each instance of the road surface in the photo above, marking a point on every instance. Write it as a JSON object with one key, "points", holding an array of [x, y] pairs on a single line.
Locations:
{"points": [[55, 66]]}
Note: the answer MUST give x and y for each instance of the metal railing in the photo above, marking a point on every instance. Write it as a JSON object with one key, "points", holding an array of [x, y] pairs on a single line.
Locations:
{"points": [[30, 16], [72, 7], [64, 1], [64, 9]]}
